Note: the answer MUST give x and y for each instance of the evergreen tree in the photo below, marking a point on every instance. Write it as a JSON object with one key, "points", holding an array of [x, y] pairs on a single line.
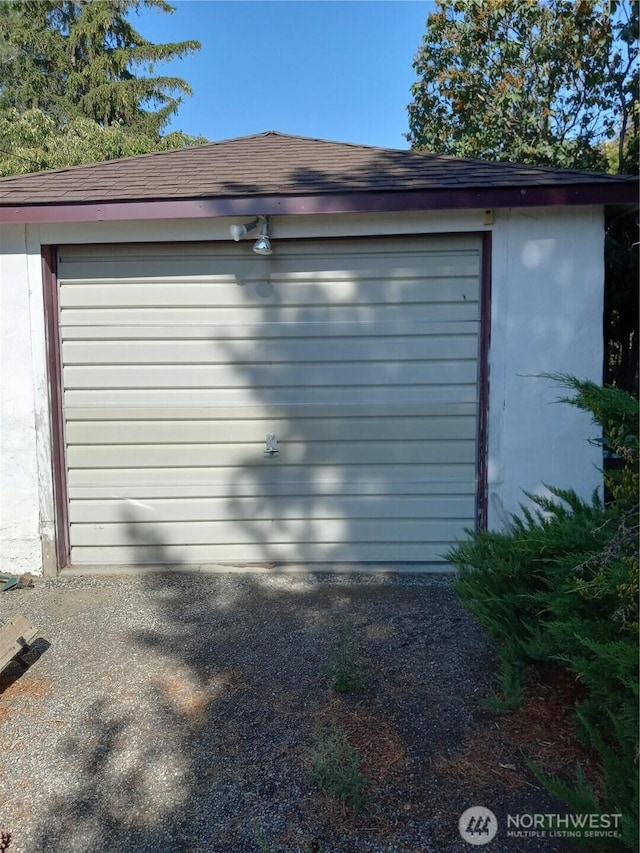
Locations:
{"points": [[33, 141], [82, 59], [560, 586]]}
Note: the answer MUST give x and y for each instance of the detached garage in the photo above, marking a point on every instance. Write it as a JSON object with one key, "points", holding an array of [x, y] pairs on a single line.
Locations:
{"points": [[362, 390]]}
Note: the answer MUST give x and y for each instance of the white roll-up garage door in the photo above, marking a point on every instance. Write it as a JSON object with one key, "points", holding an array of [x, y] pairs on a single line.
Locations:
{"points": [[318, 405]]}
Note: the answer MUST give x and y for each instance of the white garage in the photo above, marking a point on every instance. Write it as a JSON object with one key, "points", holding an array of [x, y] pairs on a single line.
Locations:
{"points": [[361, 395], [318, 405]]}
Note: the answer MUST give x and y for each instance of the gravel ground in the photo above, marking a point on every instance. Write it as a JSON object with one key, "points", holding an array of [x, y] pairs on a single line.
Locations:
{"points": [[179, 712]]}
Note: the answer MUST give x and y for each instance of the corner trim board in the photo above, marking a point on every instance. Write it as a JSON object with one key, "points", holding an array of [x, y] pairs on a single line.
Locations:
{"points": [[54, 380]]}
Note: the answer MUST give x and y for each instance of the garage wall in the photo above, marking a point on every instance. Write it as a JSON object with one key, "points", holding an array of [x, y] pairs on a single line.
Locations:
{"points": [[546, 265], [547, 305], [26, 495]]}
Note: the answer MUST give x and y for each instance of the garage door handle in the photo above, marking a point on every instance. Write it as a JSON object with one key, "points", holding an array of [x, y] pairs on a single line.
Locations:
{"points": [[272, 444]]}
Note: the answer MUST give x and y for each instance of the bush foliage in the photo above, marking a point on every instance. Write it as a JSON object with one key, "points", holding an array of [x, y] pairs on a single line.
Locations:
{"points": [[561, 585]]}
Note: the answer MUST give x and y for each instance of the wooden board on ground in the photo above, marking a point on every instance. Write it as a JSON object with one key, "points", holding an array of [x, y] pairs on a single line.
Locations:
{"points": [[15, 637]]}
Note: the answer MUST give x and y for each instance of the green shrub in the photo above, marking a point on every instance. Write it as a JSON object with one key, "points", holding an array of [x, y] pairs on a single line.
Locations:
{"points": [[561, 584]]}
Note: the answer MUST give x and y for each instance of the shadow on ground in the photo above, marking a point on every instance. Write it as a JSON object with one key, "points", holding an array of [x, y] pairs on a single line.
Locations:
{"points": [[198, 699]]}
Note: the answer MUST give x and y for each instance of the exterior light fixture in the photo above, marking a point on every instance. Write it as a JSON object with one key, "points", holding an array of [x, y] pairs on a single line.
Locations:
{"points": [[262, 246]]}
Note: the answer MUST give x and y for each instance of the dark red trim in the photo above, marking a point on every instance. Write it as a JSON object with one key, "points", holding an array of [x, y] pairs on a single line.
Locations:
{"points": [[615, 192], [483, 383], [54, 365]]}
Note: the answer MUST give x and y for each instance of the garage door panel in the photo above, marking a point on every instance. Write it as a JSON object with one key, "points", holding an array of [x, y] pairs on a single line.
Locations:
{"points": [[262, 412], [287, 396], [252, 553], [321, 531], [283, 507], [324, 260], [308, 349], [288, 249], [382, 372], [240, 332], [291, 453], [246, 431], [421, 312], [324, 484], [237, 482], [339, 290]]}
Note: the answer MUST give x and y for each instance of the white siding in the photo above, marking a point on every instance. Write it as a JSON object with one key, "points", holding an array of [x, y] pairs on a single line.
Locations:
{"points": [[546, 310], [26, 494], [179, 359]]}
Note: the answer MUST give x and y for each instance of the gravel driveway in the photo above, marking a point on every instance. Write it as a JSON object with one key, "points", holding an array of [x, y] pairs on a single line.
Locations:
{"points": [[179, 712]]}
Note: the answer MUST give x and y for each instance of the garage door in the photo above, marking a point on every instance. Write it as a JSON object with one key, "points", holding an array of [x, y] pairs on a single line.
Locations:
{"points": [[319, 405]]}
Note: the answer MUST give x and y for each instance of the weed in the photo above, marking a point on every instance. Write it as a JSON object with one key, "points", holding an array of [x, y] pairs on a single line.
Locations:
{"points": [[347, 673], [336, 767], [261, 839]]}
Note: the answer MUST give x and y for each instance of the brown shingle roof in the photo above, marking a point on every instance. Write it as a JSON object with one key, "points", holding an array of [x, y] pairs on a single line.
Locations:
{"points": [[273, 163]]}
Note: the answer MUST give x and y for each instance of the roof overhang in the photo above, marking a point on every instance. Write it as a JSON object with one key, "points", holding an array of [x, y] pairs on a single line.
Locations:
{"points": [[348, 202]]}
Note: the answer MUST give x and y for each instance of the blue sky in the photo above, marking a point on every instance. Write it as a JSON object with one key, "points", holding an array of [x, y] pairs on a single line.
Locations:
{"points": [[333, 69]]}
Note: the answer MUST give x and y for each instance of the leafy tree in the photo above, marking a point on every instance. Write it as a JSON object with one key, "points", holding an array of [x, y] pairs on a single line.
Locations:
{"points": [[545, 83], [550, 83], [34, 141], [76, 58]]}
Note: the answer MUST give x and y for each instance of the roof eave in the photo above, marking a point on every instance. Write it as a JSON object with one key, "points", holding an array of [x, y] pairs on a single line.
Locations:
{"points": [[327, 203]]}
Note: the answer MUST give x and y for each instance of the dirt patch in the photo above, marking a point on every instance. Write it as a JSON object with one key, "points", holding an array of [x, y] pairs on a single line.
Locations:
{"points": [[32, 688], [13, 687], [485, 760], [544, 727], [190, 699], [542, 730], [487, 766], [378, 742]]}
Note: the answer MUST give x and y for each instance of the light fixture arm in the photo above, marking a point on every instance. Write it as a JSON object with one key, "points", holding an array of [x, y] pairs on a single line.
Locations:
{"points": [[240, 231]]}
